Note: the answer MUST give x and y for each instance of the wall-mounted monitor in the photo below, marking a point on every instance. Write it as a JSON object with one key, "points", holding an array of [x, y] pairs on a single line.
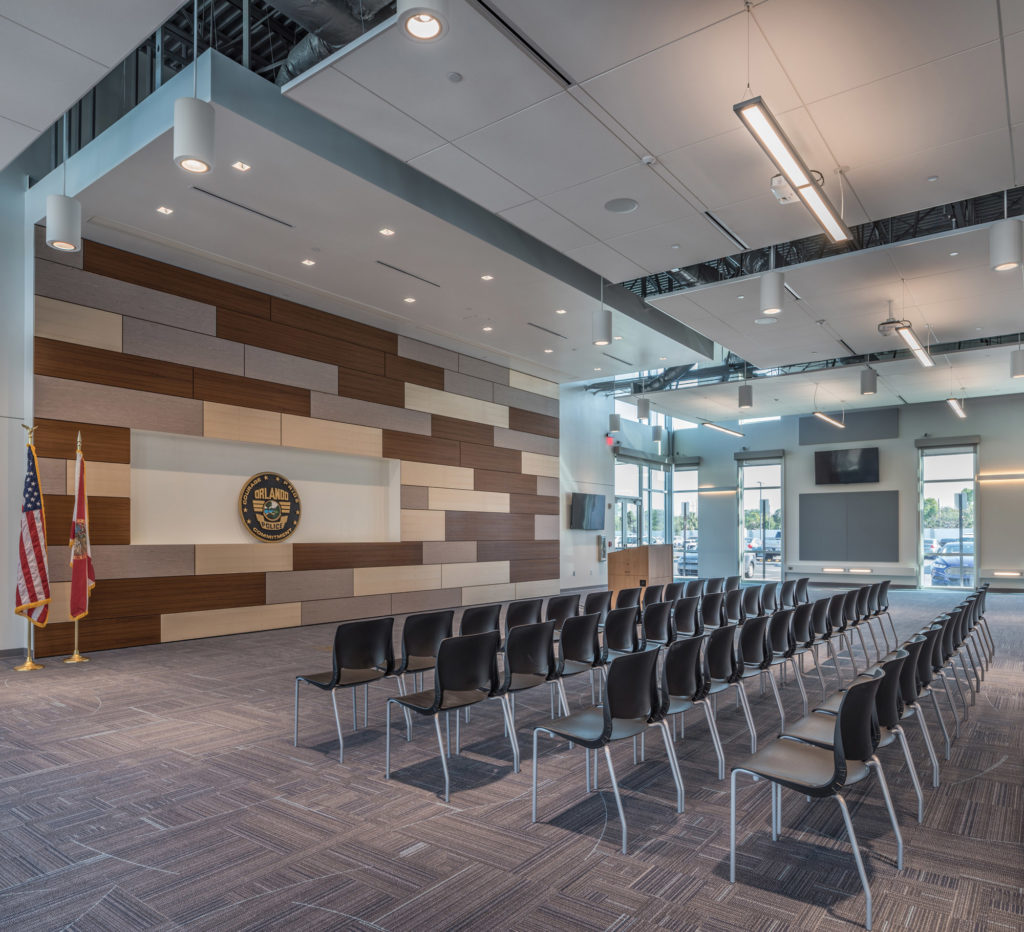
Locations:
{"points": [[586, 512], [840, 467]]}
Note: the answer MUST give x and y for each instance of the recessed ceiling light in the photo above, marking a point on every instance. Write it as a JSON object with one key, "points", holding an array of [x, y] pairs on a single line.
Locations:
{"points": [[165, 210], [309, 262], [561, 310], [675, 246], [386, 232], [487, 278], [740, 297], [597, 368], [454, 76], [773, 310], [409, 300], [621, 205], [663, 358], [240, 166], [765, 320], [549, 351], [616, 338], [954, 254], [933, 177], [488, 329]]}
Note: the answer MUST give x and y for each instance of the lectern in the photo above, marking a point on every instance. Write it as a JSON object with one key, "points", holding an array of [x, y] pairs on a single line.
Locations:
{"points": [[650, 565]]}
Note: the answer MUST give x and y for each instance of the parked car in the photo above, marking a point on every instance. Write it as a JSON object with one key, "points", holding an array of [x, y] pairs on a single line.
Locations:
{"points": [[688, 560], [953, 568]]}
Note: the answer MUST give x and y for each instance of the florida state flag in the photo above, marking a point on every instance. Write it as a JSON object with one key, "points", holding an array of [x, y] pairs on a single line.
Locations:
{"points": [[83, 578]]}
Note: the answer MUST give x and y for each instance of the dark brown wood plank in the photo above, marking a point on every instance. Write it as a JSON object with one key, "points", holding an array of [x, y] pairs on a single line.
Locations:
{"points": [[533, 504], [56, 439], [298, 342], [103, 367], [164, 595], [368, 387], [351, 556], [488, 550], [402, 446], [498, 459], [94, 634], [481, 526], [528, 570], [331, 325], [531, 423], [110, 519], [128, 267], [484, 480], [250, 393], [451, 428], [410, 370]]}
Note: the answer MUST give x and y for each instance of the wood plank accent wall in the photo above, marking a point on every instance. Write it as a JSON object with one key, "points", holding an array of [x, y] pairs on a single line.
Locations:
{"points": [[150, 346]]}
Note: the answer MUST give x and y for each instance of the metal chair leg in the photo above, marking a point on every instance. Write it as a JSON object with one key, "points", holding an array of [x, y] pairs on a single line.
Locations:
{"points": [[732, 828], [835, 662], [506, 708], [355, 709], [387, 739], [856, 856], [295, 732], [440, 747], [715, 738], [673, 764], [799, 682], [913, 771], [615, 790], [337, 721], [778, 698], [817, 667], [366, 703], [919, 715], [942, 723], [750, 718], [892, 812]]}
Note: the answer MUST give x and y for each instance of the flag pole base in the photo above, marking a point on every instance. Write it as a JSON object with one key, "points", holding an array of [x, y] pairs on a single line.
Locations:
{"points": [[76, 658], [29, 664]]}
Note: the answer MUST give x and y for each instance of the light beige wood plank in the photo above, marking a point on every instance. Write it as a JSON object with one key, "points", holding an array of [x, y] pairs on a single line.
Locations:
{"points": [[538, 588], [422, 525], [183, 626], [53, 478], [60, 598], [421, 398], [474, 574], [376, 580], [72, 323], [478, 595], [230, 422], [462, 500], [530, 383], [545, 527], [311, 433], [242, 558], [446, 477], [108, 479], [538, 464]]}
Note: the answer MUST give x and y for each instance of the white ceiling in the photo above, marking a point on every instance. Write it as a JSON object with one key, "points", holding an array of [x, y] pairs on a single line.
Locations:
{"points": [[52, 51]]}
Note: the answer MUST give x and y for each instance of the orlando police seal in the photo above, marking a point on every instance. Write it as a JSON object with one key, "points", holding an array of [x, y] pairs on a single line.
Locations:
{"points": [[269, 507]]}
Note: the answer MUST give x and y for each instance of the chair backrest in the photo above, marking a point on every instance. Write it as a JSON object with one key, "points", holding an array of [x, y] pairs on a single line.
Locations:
{"points": [[715, 584], [657, 622], [694, 587], [787, 594], [883, 595], [836, 618], [732, 607], [769, 597], [802, 594], [686, 620], [753, 643], [731, 583], [751, 601], [720, 658], [925, 666], [627, 597], [467, 663], [948, 623], [889, 699], [850, 605], [652, 594], [364, 645], [599, 602], [531, 649], [862, 609], [620, 629], [581, 640], [423, 633], [780, 632], [683, 673], [523, 612], [711, 609], [674, 591], [561, 607], [819, 618], [631, 691], [873, 592], [910, 683], [857, 724], [803, 633], [480, 618]]}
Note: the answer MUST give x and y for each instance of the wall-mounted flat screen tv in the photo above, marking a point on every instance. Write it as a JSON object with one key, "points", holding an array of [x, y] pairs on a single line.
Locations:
{"points": [[586, 512], [840, 467]]}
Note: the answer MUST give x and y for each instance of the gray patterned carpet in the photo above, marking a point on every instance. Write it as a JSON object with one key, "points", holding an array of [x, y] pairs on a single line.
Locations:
{"points": [[158, 788]]}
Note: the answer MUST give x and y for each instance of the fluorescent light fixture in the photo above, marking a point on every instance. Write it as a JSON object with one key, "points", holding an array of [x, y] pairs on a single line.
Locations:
{"points": [[724, 430], [487, 278], [832, 569], [166, 211], [758, 420], [423, 22], [772, 292], [1012, 573], [746, 396], [63, 223], [614, 423], [549, 351], [1004, 244], [914, 345], [868, 382], [1017, 364], [957, 406], [602, 327], [409, 300], [860, 570], [829, 420], [561, 310], [309, 261], [193, 135], [386, 231], [758, 119], [240, 166], [643, 409], [487, 329]]}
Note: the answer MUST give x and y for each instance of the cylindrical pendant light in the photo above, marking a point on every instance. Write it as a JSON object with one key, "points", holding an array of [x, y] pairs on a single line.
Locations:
{"points": [[868, 382], [657, 433], [422, 20], [1017, 364], [643, 409], [772, 292], [63, 223], [602, 327], [614, 423], [1004, 244], [193, 134], [746, 396]]}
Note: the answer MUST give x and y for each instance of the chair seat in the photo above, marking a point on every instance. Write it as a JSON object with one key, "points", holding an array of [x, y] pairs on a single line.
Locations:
{"points": [[678, 704], [613, 653], [888, 736], [348, 677], [322, 680], [719, 686], [832, 703], [587, 727], [423, 701], [572, 667], [419, 664], [800, 765], [520, 681], [817, 728]]}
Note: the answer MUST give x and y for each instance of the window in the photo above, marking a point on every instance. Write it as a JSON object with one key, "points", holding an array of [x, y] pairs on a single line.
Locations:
{"points": [[627, 505], [684, 522], [657, 528], [761, 511], [947, 517]]}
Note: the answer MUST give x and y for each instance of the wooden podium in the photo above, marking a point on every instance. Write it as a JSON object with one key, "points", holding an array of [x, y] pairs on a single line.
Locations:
{"points": [[640, 566]]}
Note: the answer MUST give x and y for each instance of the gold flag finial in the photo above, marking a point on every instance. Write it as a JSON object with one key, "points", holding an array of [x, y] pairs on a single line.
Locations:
{"points": [[31, 433], [78, 443]]}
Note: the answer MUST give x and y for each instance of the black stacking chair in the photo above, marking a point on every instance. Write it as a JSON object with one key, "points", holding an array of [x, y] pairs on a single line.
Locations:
{"points": [[782, 647], [787, 594], [529, 662], [422, 635], [580, 647], [802, 595], [466, 673], [883, 607], [804, 639], [941, 661], [821, 772], [732, 582], [870, 610], [711, 610], [620, 633], [657, 625], [837, 622], [910, 693], [769, 598], [600, 602], [694, 587], [732, 607], [480, 618], [751, 601], [685, 685], [633, 703], [674, 591], [715, 584], [561, 607], [855, 610], [523, 612], [363, 653], [926, 675], [724, 668], [685, 617], [823, 634], [652, 594], [626, 598]]}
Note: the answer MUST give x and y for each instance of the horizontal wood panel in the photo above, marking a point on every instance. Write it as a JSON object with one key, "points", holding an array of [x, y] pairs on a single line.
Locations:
{"points": [[107, 444], [250, 393], [466, 525], [175, 344], [517, 550], [327, 611], [421, 398], [366, 386], [127, 562], [104, 367], [184, 626], [538, 464], [527, 570], [415, 496], [537, 589], [402, 446], [97, 634], [463, 500], [496, 459], [110, 519], [124, 598], [211, 559], [451, 428], [532, 423], [480, 595], [534, 504], [431, 474], [422, 525], [474, 574], [308, 586], [250, 425], [110, 480], [431, 600], [486, 480], [350, 556], [331, 325], [73, 323], [381, 580], [128, 267], [313, 434], [449, 551], [410, 370], [530, 383]]}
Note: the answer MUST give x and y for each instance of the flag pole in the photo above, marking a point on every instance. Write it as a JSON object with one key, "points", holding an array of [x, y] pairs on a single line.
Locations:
{"points": [[76, 657], [29, 663]]}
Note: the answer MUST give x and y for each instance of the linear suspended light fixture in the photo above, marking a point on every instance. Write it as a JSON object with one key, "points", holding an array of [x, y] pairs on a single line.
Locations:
{"points": [[957, 406], [829, 420], [724, 430], [914, 344], [758, 119]]}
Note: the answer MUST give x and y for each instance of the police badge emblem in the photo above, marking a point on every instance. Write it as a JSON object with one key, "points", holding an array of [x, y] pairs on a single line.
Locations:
{"points": [[269, 507]]}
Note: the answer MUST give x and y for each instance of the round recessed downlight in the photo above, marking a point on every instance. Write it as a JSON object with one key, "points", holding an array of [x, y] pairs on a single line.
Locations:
{"points": [[549, 351], [409, 300], [773, 310], [765, 320], [422, 20], [488, 329], [621, 205], [487, 278], [561, 310]]}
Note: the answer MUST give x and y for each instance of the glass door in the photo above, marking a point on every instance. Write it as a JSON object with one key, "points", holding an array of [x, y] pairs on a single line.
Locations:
{"points": [[760, 554], [947, 517]]}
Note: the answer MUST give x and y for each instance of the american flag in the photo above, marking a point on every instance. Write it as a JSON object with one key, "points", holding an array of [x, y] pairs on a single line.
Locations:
{"points": [[33, 595]]}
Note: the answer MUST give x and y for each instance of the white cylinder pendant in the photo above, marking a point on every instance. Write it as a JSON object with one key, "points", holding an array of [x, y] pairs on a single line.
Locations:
{"points": [[868, 382], [614, 423], [423, 20], [193, 135], [63, 223], [1004, 244], [746, 396], [1017, 364], [643, 409], [602, 327], [772, 292], [657, 433]]}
